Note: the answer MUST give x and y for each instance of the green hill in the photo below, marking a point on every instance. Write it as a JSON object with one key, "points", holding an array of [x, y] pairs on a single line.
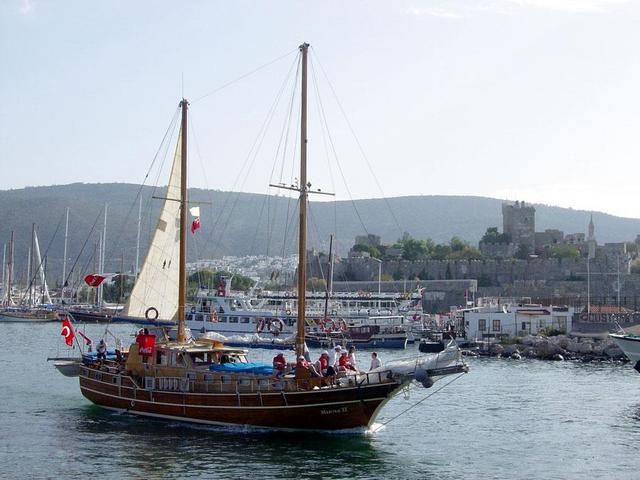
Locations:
{"points": [[252, 224]]}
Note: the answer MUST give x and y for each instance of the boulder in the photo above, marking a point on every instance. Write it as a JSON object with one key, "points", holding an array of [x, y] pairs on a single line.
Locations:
{"points": [[529, 340], [515, 356], [557, 357], [511, 349], [547, 349], [495, 349], [561, 340], [529, 352], [612, 351], [585, 348]]}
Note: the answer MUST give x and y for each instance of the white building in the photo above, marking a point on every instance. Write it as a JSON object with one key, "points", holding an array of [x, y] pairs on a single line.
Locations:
{"points": [[495, 320]]}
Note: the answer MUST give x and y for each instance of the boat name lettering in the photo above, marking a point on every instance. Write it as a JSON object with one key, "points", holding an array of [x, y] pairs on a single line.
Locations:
{"points": [[333, 411]]}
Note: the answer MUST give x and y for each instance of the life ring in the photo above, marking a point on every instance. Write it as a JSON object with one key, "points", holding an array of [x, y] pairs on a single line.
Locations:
{"points": [[260, 325], [193, 309], [342, 325], [133, 403], [288, 312], [276, 326], [214, 316], [329, 325], [150, 310]]}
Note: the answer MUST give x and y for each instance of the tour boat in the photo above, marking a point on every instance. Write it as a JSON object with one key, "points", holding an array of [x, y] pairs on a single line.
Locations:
{"points": [[630, 346], [207, 382]]}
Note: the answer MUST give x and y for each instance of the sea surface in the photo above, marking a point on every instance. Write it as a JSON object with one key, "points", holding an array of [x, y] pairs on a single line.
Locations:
{"points": [[505, 419]]}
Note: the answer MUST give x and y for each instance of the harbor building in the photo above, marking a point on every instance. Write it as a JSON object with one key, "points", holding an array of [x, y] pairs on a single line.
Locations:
{"points": [[493, 320]]}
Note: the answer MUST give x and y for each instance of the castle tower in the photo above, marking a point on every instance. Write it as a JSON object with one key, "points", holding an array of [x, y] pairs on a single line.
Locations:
{"points": [[519, 221]]}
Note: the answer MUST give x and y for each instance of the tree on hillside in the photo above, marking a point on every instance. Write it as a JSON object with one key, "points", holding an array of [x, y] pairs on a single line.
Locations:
{"points": [[492, 236], [565, 251], [371, 250], [209, 279]]}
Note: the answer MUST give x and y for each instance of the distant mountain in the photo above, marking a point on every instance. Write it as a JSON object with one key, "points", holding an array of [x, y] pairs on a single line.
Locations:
{"points": [[252, 224]]}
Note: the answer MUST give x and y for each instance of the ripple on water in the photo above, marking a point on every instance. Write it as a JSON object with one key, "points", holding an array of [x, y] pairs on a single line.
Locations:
{"points": [[505, 419]]}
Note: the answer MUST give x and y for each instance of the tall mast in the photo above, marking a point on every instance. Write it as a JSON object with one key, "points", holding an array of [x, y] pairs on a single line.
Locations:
{"points": [[64, 257], [32, 261], [182, 279], [10, 270], [329, 283], [103, 248], [302, 231], [4, 267]]}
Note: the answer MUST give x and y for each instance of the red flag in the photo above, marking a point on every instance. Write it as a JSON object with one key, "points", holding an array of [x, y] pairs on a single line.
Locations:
{"points": [[195, 225], [94, 280], [67, 331]]}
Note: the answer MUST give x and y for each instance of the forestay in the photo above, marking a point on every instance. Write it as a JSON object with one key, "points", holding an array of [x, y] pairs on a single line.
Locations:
{"points": [[157, 284]]}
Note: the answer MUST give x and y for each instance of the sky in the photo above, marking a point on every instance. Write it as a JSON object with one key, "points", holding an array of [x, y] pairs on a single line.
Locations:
{"points": [[534, 100]]}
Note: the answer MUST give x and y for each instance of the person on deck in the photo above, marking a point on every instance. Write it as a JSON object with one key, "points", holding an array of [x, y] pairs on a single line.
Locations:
{"points": [[352, 357], [375, 362], [102, 350], [279, 365], [335, 356], [326, 367], [343, 363], [302, 363]]}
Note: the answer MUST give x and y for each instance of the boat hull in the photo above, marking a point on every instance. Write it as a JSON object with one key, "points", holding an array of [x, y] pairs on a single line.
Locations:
{"points": [[630, 346], [17, 318], [322, 409]]}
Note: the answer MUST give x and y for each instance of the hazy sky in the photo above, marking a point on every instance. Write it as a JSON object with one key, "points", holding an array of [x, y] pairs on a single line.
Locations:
{"points": [[537, 100]]}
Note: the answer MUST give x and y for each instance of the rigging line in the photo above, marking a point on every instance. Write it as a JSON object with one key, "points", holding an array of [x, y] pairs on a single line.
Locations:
{"points": [[255, 148], [416, 404], [32, 280], [66, 280], [234, 198], [326, 151], [284, 136], [289, 197], [362, 152], [120, 234], [231, 82], [335, 154]]}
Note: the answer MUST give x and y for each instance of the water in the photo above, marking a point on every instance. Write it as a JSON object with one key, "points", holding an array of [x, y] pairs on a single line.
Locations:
{"points": [[505, 419]]}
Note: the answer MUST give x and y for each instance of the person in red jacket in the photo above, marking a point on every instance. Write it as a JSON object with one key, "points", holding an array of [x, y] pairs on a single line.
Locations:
{"points": [[279, 365], [344, 362]]}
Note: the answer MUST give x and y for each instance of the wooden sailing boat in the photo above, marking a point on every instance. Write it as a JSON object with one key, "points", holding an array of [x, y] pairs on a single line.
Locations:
{"points": [[204, 381]]}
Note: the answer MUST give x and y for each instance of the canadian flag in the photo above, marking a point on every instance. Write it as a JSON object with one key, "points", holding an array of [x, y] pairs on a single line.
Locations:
{"points": [[195, 213], [94, 280], [67, 331]]}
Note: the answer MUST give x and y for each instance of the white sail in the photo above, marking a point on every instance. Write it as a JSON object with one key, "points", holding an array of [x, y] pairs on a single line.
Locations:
{"points": [[46, 298], [157, 283]]}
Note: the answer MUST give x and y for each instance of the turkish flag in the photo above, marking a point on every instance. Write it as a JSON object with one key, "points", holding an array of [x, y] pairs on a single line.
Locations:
{"points": [[67, 331], [94, 280], [195, 225]]}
